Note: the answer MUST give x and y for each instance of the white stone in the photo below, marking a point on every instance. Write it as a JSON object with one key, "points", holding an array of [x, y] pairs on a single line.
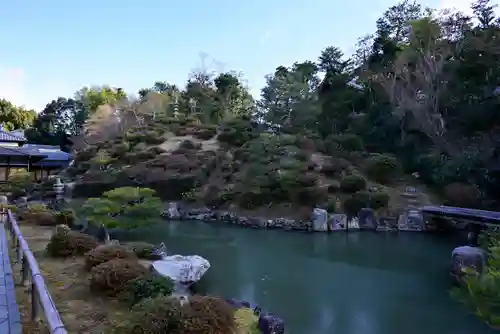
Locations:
{"points": [[182, 269], [320, 220], [353, 224], [173, 211]]}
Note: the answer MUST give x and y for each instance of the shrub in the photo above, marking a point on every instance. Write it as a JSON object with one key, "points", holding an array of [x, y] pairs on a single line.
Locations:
{"points": [[127, 207], [112, 277], [378, 199], [480, 291], [334, 167], [344, 142], [462, 195], [39, 214], [353, 204], [353, 183], [106, 253], [143, 250], [163, 314], [381, 167], [10, 207], [70, 243], [149, 286], [65, 217]]}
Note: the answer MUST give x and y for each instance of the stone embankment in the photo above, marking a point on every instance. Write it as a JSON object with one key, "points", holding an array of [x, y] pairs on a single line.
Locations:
{"points": [[321, 220]]}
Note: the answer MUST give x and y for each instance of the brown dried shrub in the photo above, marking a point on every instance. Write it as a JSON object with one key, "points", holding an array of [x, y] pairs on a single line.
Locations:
{"points": [[106, 253], [112, 277], [70, 243]]}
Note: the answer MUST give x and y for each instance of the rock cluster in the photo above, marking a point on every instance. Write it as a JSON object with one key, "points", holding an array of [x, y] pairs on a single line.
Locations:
{"points": [[320, 221], [268, 323]]}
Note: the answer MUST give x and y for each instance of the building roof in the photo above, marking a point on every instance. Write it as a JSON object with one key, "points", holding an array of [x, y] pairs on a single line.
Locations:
{"points": [[51, 153]]}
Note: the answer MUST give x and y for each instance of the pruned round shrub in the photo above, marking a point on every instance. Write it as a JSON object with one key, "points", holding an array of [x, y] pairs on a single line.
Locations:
{"points": [[163, 314], [112, 277], [462, 195], [148, 286], [143, 250], [41, 218], [344, 142], [353, 183], [382, 168], [106, 253], [353, 204], [379, 199], [70, 243], [65, 217]]}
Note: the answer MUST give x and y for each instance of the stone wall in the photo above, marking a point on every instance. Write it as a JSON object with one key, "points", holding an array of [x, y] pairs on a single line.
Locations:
{"points": [[320, 221]]}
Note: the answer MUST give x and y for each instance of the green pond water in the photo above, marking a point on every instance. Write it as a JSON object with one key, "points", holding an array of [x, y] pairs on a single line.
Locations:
{"points": [[345, 283]]}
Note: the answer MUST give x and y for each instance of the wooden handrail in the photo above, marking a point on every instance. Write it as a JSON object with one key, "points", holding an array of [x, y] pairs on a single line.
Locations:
{"points": [[40, 296]]}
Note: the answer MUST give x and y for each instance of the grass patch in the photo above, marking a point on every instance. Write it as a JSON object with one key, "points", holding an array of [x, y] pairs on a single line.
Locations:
{"points": [[68, 284]]}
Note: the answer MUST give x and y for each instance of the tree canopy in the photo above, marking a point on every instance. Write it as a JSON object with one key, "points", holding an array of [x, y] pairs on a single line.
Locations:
{"points": [[424, 87]]}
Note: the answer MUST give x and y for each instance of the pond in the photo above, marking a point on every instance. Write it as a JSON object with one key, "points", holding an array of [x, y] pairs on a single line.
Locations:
{"points": [[346, 283]]}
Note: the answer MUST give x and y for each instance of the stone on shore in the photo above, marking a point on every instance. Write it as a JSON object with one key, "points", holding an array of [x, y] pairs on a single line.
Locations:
{"points": [[464, 257], [182, 269]]}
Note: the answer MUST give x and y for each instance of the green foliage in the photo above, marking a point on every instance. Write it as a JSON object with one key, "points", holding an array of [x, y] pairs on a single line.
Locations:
{"points": [[111, 278], [345, 142], [382, 168], [237, 132], [149, 286], [143, 250], [353, 183], [126, 207], [64, 244], [481, 292], [12, 117], [65, 217], [164, 314]]}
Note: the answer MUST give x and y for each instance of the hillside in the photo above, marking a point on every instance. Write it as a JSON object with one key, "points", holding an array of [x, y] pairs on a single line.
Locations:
{"points": [[237, 165]]}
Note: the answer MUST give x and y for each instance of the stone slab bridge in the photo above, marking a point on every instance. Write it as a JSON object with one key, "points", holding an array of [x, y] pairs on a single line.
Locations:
{"points": [[472, 221]]}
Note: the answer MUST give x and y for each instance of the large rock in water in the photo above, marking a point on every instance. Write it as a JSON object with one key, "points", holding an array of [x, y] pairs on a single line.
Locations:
{"points": [[466, 257], [320, 220], [182, 269]]}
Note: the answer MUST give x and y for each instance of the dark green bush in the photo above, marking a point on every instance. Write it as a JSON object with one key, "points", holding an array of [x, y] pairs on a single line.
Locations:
{"points": [[143, 250], [382, 168], [148, 286], [354, 203], [353, 183], [344, 142], [65, 217]]}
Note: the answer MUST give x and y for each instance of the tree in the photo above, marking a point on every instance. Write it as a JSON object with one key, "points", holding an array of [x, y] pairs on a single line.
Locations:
{"points": [[59, 120], [13, 118]]}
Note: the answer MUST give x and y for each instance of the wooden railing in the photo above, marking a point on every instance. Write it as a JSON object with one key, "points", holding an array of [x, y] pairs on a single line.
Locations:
{"points": [[40, 296]]}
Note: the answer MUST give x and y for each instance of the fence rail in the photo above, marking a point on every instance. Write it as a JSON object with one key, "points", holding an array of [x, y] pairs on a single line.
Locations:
{"points": [[40, 296]]}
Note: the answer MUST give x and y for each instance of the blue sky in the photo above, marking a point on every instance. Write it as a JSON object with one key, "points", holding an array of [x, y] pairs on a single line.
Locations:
{"points": [[52, 48]]}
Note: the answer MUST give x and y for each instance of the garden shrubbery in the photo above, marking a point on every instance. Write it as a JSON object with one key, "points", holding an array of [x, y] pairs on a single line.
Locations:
{"points": [[70, 243], [105, 253], [382, 168], [148, 286], [164, 314], [353, 183], [112, 277], [143, 250]]}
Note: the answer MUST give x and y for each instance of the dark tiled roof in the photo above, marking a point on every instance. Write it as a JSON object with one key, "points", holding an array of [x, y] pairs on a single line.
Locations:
{"points": [[4, 151], [52, 153], [7, 137]]}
